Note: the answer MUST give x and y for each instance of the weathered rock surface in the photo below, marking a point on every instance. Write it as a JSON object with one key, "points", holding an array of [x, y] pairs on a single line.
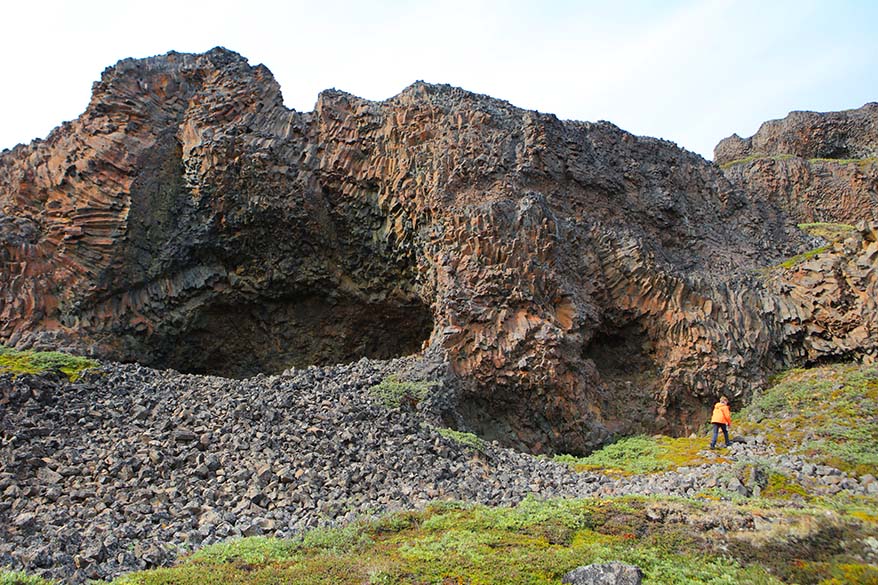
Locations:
{"points": [[848, 134], [574, 279], [614, 573], [819, 167]]}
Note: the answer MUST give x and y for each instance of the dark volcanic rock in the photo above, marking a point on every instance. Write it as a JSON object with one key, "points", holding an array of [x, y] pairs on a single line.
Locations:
{"points": [[819, 167], [848, 134], [568, 278]]}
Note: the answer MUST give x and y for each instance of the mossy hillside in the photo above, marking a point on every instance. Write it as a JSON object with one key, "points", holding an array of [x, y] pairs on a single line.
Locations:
{"points": [[534, 542], [643, 454], [36, 362], [828, 413], [540, 540]]}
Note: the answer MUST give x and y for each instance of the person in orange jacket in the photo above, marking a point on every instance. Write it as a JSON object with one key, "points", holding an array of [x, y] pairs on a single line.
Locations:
{"points": [[721, 419]]}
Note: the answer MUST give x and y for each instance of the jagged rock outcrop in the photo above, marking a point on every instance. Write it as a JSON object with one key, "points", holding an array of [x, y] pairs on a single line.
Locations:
{"points": [[816, 166], [849, 134], [575, 279]]}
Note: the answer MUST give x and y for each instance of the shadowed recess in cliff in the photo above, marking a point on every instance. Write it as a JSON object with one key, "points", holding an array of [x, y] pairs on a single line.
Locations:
{"points": [[243, 339]]}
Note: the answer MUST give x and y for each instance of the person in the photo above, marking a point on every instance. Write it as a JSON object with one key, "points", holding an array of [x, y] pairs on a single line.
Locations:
{"points": [[721, 419]]}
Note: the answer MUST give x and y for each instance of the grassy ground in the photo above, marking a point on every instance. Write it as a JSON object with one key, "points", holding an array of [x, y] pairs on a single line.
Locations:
{"points": [[35, 362], [642, 454], [19, 578], [537, 542], [829, 414]]}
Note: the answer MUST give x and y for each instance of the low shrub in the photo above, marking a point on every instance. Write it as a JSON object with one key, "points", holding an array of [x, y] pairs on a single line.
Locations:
{"points": [[393, 392], [36, 362]]}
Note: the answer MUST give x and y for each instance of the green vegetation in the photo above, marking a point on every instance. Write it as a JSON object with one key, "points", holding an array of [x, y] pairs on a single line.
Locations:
{"points": [[861, 162], [799, 258], [535, 542], [755, 157], [782, 487], [642, 454], [393, 392], [35, 362], [466, 439], [829, 413], [831, 232], [19, 578]]}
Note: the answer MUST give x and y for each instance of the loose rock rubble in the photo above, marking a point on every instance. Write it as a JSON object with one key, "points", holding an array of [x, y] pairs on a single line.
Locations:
{"points": [[130, 467]]}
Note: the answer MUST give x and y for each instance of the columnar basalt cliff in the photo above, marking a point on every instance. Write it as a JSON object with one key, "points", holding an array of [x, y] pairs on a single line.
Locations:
{"points": [[818, 167], [574, 280]]}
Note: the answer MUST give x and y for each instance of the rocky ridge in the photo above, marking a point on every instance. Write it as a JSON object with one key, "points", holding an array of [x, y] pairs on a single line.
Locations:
{"points": [[130, 467], [572, 279], [819, 167], [849, 134]]}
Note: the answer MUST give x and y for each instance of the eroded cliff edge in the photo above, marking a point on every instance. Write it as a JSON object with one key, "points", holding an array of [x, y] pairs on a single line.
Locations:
{"points": [[573, 279]]}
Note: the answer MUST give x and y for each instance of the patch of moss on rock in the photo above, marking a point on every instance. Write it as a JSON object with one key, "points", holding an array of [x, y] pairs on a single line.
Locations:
{"points": [[393, 392], [36, 362]]}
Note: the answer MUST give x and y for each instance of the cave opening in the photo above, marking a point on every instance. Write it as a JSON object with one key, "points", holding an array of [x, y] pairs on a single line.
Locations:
{"points": [[628, 378], [245, 338]]}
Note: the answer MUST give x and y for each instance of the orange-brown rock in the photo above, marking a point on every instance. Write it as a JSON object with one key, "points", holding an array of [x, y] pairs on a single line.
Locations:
{"points": [[816, 166], [574, 279]]}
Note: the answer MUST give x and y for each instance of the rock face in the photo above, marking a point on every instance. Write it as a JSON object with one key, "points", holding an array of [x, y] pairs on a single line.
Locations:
{"points": [[849, 134], [574, 280], [816, 166]]}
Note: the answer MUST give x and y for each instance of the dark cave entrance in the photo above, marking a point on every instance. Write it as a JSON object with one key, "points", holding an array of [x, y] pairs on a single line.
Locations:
{"points": [[623, 356], [242, 339]]}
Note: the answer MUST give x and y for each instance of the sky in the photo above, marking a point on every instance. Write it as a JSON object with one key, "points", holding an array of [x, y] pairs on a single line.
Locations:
{"points": [[692, 72]]}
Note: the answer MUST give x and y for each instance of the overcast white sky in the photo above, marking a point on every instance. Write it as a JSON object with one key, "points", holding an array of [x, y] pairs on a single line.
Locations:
{"points": [[689, 71]]}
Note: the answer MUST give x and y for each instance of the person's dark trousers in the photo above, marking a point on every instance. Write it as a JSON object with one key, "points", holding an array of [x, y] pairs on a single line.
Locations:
{"points": [[716, 428]]}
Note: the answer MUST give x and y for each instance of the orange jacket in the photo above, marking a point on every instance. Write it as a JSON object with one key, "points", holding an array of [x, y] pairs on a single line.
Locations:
{"points": [[721, 414]]}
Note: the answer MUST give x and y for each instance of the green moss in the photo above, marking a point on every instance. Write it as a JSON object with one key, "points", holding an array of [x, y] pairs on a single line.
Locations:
{"points": [[755, 157], [799, 258], [250, 551], [831, 232], [535, 542], [346, 538], [467, 439], [780, 486], [860, 162], [829, 414], [35, 362], [20, 578], [393, 392], [642, 454]]}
